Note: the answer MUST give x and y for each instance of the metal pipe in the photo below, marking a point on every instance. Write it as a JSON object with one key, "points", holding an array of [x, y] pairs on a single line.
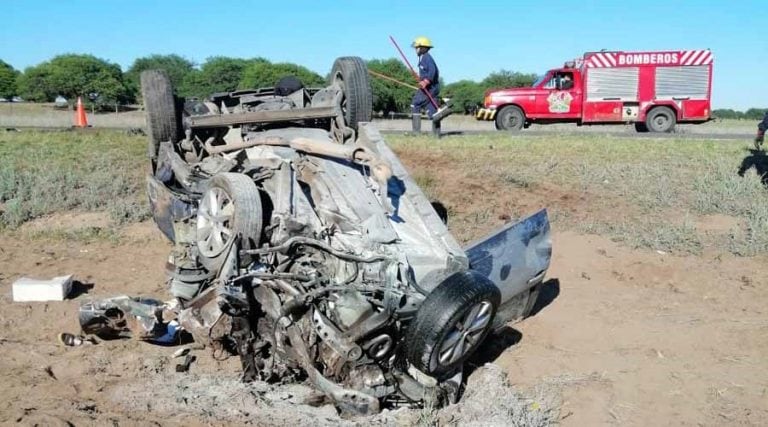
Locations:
{"points": [[392, 79], [300, 240]]}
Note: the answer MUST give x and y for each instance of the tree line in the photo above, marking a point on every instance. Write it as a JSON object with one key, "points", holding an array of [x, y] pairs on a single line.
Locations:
{"points": [[105, 83], [750, 114]]}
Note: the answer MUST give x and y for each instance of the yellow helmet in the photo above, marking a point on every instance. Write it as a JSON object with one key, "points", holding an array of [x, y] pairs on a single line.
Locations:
{"points": [[422, 41]]}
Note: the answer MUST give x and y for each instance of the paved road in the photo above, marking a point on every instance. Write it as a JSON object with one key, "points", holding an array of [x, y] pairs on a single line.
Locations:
{"points": [[527, 132]]}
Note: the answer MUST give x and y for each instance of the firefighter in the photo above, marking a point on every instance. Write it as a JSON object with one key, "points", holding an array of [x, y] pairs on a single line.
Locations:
{"points": [[567, 82], [429, 77], [761, 128]]}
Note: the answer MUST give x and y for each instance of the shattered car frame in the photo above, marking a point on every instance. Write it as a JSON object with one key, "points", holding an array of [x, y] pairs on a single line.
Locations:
{"points": [[302, 244]]}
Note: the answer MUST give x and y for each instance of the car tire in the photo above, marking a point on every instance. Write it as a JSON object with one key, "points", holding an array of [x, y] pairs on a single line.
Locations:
{"points": [[661, 119], [510, 118], [351, 73], [451, 323], [161, 113], [640, 127], [238, 197]]}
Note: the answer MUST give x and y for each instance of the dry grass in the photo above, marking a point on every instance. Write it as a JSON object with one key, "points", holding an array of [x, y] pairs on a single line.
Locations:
{"points": [[47, 172], [648, 193]]}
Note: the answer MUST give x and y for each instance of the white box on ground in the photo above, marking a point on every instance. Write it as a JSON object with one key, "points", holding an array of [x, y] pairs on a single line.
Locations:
{"points": [[28, 289]]}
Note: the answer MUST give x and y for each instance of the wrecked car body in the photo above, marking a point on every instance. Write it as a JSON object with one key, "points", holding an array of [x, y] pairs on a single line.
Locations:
{"points": [[302, 244]]}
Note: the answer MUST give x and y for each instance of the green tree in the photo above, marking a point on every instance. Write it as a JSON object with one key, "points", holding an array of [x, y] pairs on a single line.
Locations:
{"points": [[727, 113], [110, 89], [505, 78], [465, 94], [217, 74], [387, 95], [176, 66], [8, 76], [264, 74], [754, 113], [73, 75], [34, 84]]}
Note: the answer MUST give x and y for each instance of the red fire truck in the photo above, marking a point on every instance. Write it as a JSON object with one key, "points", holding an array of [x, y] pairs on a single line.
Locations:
{"points": [[653, 90]]}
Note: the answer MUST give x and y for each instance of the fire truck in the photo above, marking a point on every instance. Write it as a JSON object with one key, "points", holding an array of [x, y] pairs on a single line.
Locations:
{"points": [[653, 90]]}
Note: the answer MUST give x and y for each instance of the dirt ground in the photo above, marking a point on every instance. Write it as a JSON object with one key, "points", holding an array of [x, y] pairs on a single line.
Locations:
{"points": [[621, 337]]}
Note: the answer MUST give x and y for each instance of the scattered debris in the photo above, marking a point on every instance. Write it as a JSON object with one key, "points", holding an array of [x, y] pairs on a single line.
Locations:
{"points": [[49, 370], [185, 350], [121, 317], [184, 367], [72, 340], [27, 289]]}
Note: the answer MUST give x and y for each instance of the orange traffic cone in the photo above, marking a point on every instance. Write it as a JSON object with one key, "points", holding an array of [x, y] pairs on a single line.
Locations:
{"points": [[80, 120]]}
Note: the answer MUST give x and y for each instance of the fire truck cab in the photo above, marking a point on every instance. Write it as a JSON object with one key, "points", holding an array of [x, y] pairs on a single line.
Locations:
{"points": [[653, 90]]}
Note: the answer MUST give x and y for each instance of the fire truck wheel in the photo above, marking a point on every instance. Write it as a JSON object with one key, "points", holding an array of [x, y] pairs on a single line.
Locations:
{"points": [[661, 119], [510, 118]]}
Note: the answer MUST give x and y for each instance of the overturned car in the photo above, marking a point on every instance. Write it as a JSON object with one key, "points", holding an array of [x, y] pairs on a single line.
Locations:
{"points": [[302, 245]]}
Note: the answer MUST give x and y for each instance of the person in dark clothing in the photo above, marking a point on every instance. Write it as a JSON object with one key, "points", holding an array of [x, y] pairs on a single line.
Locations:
{"points": [[566, 83], [429, 80], [761, 128]]}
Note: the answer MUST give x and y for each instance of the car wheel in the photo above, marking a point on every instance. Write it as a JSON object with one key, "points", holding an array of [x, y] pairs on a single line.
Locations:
{"points": [[510, 118], [661, 119], [230, 208], [351, 74], [162, 117], [451, 323]]}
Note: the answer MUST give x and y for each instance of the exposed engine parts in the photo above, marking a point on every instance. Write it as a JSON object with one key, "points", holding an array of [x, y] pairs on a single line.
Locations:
{"points": [[303, 245]]}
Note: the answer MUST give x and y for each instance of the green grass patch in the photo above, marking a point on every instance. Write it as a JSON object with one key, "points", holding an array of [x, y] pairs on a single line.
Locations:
{"points": [[81, 235], [646, 193], [47, 172]]}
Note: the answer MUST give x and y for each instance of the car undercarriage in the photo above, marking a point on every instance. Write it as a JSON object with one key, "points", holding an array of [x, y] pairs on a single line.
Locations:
{"points": [[303, 245]]}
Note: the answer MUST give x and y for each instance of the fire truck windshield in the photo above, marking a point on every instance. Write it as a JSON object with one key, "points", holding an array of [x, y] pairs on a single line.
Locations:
{"points": [[540, 79]]}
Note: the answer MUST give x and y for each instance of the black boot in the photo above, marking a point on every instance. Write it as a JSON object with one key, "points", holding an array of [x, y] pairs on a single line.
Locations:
{"points": [[416, 122], [436, 128]]}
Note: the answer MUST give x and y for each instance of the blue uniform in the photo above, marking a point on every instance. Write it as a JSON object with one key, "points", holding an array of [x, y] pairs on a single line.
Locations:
{"points": [[763, 126], [427, 70]]}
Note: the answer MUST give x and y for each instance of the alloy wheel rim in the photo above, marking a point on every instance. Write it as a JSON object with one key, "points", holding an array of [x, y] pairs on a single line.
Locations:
{"points": [[214, 222], [465, 334]]}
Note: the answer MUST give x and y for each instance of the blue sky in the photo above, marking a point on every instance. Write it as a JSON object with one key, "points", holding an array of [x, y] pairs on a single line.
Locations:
{"points": [[472, 38]]}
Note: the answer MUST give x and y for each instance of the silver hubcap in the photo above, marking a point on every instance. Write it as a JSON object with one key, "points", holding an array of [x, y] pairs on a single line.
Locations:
{"points": [[214, 219], [465, 333], [512, 120]]}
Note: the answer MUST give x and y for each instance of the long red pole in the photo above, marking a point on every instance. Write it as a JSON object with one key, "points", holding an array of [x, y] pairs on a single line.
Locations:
{"points": [[415, 74]]}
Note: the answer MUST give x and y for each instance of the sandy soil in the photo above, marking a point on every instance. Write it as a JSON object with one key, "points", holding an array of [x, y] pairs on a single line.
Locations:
{"points": [[621, 337], [629, 337]]}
